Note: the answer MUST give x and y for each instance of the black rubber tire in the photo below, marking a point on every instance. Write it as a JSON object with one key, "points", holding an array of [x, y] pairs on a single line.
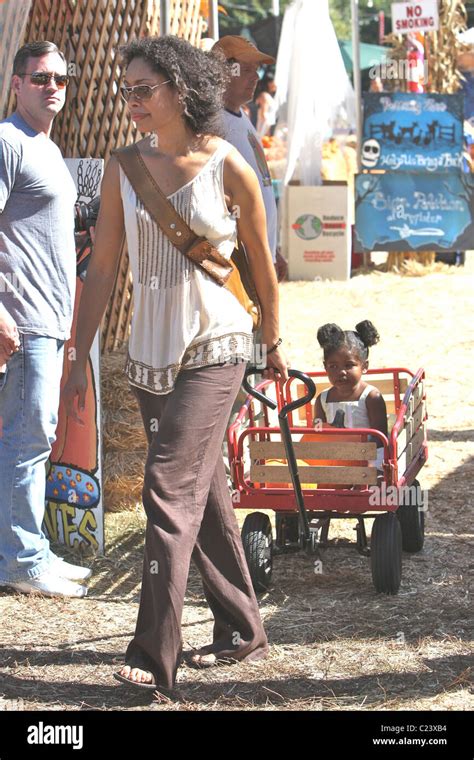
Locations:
{"points": [[286, 525], [386, 554], [412, 521], [257, 540]]}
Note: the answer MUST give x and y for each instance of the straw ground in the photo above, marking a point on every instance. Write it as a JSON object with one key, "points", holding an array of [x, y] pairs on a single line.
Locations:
{"points": [[335, 643]]}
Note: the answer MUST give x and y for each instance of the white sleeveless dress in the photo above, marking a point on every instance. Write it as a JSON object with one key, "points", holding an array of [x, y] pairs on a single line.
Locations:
{"points": [[355, 414], [182, 318]]}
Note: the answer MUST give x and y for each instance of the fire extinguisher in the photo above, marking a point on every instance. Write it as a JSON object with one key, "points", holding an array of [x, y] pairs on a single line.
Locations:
{"points": [[415, 61]]}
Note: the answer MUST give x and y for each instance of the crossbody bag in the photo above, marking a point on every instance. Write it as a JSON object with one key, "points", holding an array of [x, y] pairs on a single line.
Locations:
{"points": [[233, 274]]}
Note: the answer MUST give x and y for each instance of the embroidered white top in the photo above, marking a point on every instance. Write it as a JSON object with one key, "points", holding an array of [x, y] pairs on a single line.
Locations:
{"points": [[182, 318]]}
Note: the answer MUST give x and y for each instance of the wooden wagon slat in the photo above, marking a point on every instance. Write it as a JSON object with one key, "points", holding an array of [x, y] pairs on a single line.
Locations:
{"points": [[412, 423], [384, 385], [411, 449], [342, 475], [314, 450], [418, 394]]}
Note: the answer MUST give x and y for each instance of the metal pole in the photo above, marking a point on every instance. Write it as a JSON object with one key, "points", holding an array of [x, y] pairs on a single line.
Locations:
{"points": [[164, 17], [213, 21], [357, 90], [356, 74], [276, 7]]}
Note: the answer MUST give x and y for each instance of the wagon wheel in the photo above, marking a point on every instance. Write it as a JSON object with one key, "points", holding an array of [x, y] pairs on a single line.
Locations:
{"points": [[258, 546], [412, 520], [386, 554], [286, 529]]}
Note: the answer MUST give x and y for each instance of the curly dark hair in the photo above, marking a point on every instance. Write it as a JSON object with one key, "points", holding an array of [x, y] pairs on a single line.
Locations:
{"points": [[331, 338], [200, 78]]}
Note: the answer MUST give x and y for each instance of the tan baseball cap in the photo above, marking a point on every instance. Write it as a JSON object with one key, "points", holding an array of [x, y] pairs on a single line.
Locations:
{"points": [[242, 50]]}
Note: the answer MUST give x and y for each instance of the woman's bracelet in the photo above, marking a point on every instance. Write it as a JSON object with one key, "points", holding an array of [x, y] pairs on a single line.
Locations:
{"points": [[275, 346]]}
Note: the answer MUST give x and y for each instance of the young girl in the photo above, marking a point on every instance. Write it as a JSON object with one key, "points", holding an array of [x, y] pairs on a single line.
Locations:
{"points": [[351, 402]]}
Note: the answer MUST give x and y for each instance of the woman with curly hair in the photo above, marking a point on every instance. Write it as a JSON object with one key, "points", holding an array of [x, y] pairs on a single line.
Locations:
{"points": [[189, 344]]}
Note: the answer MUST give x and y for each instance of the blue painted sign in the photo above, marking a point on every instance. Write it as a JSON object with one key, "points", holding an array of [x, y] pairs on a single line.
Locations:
{"points": [[467, 86], [412, 132], [418, 212]]}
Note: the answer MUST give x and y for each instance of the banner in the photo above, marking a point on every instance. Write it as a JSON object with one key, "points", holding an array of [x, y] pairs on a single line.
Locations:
{"points": [[319, 240], [74, 511], [418, 212], [421, 16], [412, 132]]}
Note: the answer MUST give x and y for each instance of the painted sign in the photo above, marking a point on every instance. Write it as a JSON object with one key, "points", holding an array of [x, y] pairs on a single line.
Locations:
{"points": [[319, 238], [467, 86], [418, 212], [411, 17], [412, 132], [74, 512]]}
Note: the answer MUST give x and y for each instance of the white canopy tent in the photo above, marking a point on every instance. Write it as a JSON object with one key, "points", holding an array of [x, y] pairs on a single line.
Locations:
{"points": [[314, 93]]}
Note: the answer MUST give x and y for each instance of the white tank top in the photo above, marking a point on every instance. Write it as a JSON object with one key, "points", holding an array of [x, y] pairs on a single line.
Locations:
{"points": [[182, 318]]}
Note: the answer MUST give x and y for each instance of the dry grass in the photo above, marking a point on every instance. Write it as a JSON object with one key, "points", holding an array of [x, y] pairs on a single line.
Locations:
{"points": [[335, 644]]}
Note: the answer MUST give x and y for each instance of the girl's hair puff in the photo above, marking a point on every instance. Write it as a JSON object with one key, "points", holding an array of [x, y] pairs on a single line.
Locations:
{"points": [[331, 338]]}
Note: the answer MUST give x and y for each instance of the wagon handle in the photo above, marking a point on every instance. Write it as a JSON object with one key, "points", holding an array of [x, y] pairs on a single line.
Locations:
{"points": [[304, 399], [269, 402], [253, 391], [288, 443]]}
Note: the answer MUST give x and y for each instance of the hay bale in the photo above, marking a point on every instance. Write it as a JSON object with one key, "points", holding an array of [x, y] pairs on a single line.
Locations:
{"points": [[413, 264], [123, 431], [123, 480]]}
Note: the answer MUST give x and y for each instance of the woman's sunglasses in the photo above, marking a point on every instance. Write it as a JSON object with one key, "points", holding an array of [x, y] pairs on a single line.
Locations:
{"points": [[140, 91], [42, 79]]}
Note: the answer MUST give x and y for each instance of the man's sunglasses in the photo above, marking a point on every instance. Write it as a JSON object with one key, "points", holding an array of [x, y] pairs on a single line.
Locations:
{"points": [[43, 78], [140, 91]]}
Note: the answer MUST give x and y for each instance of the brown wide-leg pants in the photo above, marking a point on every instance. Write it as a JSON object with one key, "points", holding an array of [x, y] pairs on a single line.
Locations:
{"points": [[190, 514]]}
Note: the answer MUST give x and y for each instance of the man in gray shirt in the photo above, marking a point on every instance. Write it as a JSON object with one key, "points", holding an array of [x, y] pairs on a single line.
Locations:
{"points": [[37, 285], [244, 60]]}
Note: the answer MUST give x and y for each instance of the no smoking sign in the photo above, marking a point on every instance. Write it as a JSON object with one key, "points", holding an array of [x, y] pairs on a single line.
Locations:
{"points": [[410, 17]]}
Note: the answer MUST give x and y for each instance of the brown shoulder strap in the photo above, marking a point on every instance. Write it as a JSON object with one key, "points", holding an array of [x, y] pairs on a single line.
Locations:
{"points": [[198, 249], [153, 198]]}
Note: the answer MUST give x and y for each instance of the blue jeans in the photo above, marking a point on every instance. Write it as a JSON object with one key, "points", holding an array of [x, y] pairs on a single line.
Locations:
{"points": [[29, 401]]}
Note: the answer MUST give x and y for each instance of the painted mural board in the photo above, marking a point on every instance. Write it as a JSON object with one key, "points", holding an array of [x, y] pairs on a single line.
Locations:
{"points": [[417, 212], [319, 240], [412, 132], [74, 509]]}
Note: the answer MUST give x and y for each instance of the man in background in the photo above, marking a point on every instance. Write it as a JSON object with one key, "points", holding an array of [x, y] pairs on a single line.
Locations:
{"points": [[37, 286], [245, 59]]}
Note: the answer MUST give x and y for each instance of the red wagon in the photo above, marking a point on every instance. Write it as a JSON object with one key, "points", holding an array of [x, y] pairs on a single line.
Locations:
{"points": [[336, 468]]}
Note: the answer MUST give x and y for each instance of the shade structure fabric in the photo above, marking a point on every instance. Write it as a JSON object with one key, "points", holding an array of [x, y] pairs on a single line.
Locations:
{"points": [[370, 55]]}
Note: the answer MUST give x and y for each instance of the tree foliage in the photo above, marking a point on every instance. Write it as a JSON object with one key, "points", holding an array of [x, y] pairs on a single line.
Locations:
{"points": [[244, 13]]}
